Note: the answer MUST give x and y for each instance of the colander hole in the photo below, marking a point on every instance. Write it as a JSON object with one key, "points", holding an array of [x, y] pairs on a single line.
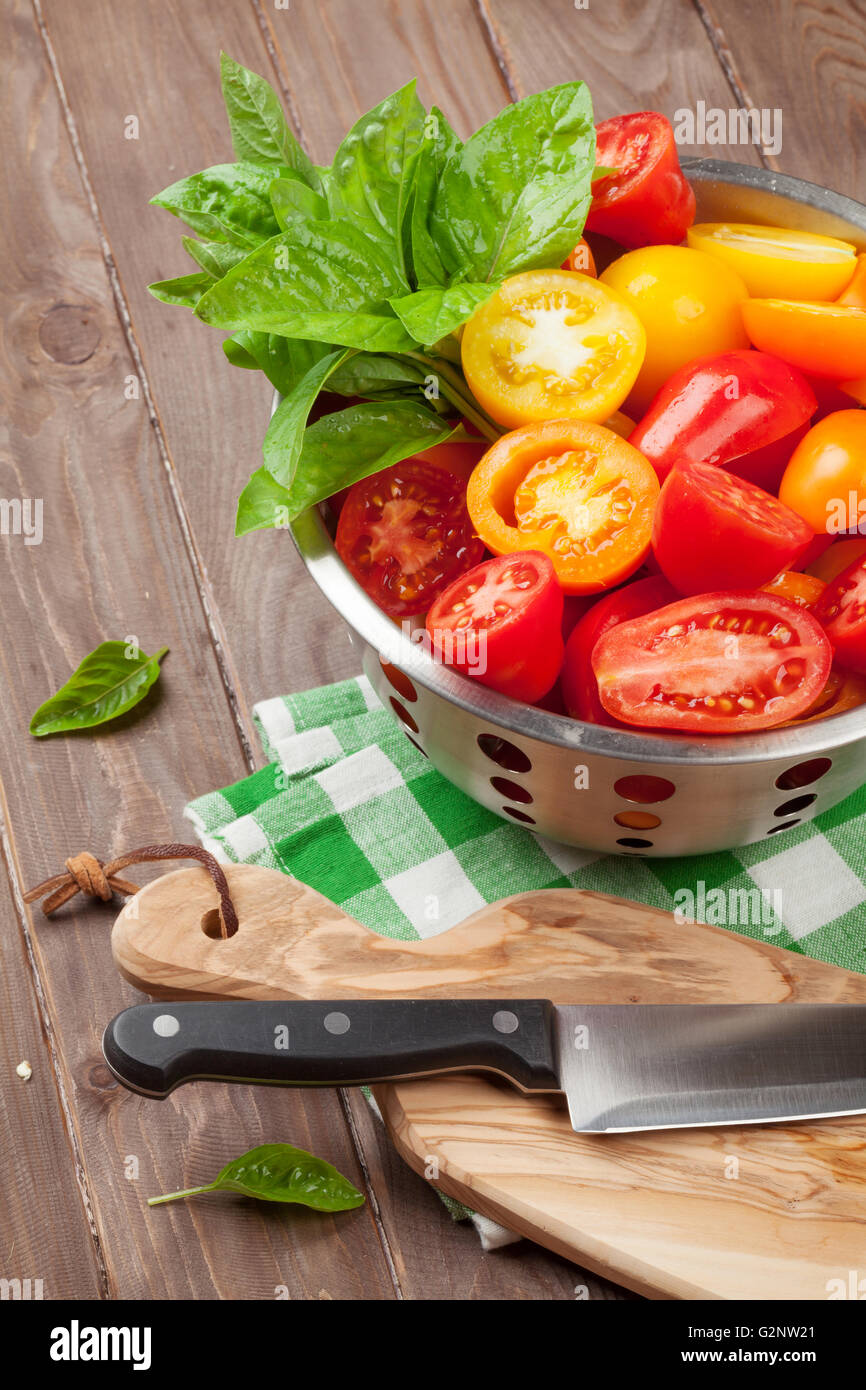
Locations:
{"points": [[637, 820], [503, 753], [797, 803], [403, 714], [643, 788], [518, 815], [786, 825], [399, 680], [512, 790], [417, 745], [631, 842], [802, 774]]}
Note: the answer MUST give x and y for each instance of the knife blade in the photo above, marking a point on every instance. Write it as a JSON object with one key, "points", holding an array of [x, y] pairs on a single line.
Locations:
{"points": [[622, 1067]]}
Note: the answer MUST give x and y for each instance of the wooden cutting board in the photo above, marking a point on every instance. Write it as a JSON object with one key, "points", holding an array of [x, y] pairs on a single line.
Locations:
{"points": [[758, 1212]]}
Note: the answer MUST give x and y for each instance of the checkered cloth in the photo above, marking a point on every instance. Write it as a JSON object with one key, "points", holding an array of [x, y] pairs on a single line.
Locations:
{"points": [[349, 805]]}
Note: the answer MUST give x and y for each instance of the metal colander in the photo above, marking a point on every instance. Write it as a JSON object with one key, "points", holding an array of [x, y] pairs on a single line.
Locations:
{"points": [[600, 788]]}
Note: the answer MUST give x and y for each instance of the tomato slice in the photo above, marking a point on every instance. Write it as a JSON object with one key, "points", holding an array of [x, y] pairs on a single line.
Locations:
{"points": [[576, 491], [500, 624], [828, 340], [648, 200], [842, 611], [579, 686], [723, 663], [779, 262], [551, 345], [715, 531], [802, 589], [405, 534]]}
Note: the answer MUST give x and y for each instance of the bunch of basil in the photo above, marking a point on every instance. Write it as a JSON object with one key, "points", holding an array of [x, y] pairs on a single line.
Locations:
{"points": [[354, 278]]}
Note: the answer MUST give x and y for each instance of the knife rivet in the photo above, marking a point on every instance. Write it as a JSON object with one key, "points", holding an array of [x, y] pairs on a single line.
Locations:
{"points": [[505, 1021], [337, 1023], [165, 1026]]}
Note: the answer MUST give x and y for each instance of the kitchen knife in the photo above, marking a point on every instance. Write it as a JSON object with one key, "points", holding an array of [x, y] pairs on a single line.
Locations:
{"points": [[621, 1066]]}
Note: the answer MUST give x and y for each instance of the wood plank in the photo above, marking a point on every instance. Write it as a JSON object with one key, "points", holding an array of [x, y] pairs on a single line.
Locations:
{"points": [[817, 78], [113, 563], [636, 55]]}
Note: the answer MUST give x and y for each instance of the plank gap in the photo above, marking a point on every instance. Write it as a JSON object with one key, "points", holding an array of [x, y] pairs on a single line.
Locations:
{"points": [[498, 49], [724, 55]]}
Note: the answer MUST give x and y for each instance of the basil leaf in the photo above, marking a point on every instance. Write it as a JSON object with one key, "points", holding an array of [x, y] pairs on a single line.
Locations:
{"points": [[229, 202], [262, 505], [215, 257], [516, 195], [430, 314], [186, 290], [370, 182], [285, 436], [284, 361], [321, 280], [292, 198], [280, 1173], [259, 129], [440, 143], [106, 684], [351, 444], [367, 373]]}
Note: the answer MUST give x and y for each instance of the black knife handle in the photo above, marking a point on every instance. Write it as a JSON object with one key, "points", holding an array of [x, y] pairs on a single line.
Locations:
{"points": [[153, 1048]]}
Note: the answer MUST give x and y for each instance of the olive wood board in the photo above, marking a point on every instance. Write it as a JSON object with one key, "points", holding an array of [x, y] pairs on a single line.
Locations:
{"points": [[757, 1212]]}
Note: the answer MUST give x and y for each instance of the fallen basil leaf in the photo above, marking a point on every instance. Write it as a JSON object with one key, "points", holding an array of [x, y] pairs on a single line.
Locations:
{"points": [[185, 290], [440, 143], [292, 198], [262, 506], [431, 313], [229, 202], [285, 435], [284, 361], [105, 685], [280, 1173], [260, 132]]}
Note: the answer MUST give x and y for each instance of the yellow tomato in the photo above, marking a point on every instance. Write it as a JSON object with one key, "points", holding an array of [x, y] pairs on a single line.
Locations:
{"points": [[689, 304], [776, 262], [552, 345]]}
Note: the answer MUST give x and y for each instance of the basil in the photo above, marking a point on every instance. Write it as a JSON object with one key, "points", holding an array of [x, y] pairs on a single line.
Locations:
{"points": [[110, 681], [186, 290], [215, 257], [262, 505], [431, 314], [260, 132], [285, 437], [292, 199], [280, 1173], [284, 361], [230, 202]]}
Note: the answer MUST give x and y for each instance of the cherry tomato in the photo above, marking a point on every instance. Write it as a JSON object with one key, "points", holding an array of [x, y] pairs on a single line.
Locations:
{"points": [[715, 531], [500, 624], [582, 259], [778, 262], [842, 611], [802, 589], [722, 408], [405, 534], [825, 481], [551, 345], [828, 340], [573, 490], [812, 555], [722, 663], [855, 291], [837, 557], [689, 304], [648, 200], [458, 458], [579, 686], [844, 690]]}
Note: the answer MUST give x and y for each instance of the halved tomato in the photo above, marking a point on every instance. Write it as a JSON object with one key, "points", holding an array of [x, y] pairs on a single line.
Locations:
{"points": [[802, 589], [405, 534], [500, 625], [828, 340], [715, 531], [551, 345], [844, 690], [647, 199], [779, 262], [574, 490], [579, 686], [723, 663], [842, 611]]}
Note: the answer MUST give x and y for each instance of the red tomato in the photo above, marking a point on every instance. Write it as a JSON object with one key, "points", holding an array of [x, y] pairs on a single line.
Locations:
{"points": [[500, 624], [579, 687], [405, 534], [648, 200], [725, 663], [842, 610], [811, 557], [715, 531], [765, 467], [723, 408]]}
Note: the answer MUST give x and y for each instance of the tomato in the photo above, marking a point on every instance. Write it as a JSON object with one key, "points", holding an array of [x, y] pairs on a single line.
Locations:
{"points": [[648, 200], [689, 304], [812, 555], [620, 424], [842, 611], [582, 259], [844, 690], [721, 408], [765, 466], [802, 589], [551, 345], [458, 458], [855, 291], [722, 663], [778, 262], [574, 490], [715, 531], [828, 340], [405, 534], [500, 624], [837, 557], [579, 686], [825, 481]]}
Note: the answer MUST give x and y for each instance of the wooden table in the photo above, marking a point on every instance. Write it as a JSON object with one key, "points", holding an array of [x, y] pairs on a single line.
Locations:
{"points": [[123, 416]]}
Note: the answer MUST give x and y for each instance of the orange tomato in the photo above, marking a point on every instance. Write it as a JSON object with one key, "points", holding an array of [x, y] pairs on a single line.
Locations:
{"points": [[802, 589], [854, 292], [828, 340], [844, 690], [582, 259], [825, 480], [841, 554], [572, 489]]}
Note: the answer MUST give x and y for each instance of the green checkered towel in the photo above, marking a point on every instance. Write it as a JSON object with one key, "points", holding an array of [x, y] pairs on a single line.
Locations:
{"points": [[349, 805]]}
